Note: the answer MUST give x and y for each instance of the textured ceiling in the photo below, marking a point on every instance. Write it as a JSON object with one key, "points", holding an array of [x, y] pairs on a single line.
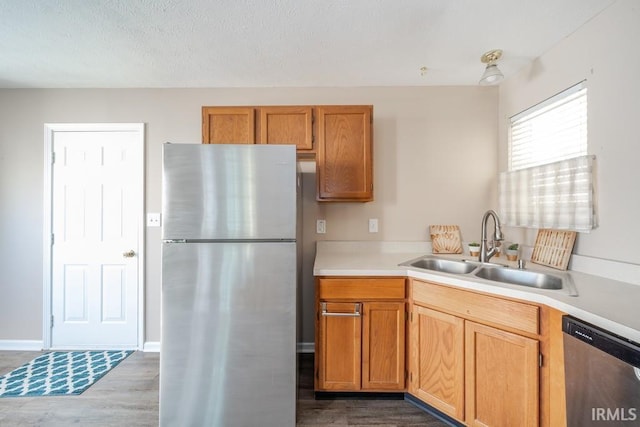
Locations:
{"points": [[274, 43]]}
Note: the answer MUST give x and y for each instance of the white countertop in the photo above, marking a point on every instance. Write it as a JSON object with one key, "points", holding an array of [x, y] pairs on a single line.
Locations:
{"points": [[610, 304]]}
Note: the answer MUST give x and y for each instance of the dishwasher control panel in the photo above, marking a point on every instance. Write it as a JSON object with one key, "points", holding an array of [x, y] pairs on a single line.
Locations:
{"points": [[615, 345]]}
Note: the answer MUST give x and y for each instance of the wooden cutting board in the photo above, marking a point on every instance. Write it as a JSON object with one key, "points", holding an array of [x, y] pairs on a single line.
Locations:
{"points": [[445, 239], [553, 248]]}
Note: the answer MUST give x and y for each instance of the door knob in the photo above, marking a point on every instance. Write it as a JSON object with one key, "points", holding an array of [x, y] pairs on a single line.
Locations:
{"points": [[129, 254]]}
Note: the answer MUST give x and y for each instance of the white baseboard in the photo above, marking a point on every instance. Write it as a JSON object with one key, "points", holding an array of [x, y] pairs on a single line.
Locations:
{"points": [[21, 345], [151, 347], [306, 347]]}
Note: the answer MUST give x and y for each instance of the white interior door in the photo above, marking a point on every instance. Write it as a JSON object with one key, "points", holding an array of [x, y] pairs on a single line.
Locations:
{"points": [[96, 216]]}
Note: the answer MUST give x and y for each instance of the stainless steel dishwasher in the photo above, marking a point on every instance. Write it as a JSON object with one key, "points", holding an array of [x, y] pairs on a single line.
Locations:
{"points": [[602, 376]]}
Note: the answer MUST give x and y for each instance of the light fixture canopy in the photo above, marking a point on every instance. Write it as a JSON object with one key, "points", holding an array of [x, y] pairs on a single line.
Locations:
{"points": [[492, 74]]}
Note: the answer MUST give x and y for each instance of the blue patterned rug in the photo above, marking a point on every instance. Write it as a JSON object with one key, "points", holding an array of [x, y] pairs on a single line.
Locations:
{"points": [[60, 373]]}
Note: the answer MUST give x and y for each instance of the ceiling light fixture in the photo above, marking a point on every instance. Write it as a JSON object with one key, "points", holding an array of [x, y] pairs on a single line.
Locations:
{"points": [[492, 75]]}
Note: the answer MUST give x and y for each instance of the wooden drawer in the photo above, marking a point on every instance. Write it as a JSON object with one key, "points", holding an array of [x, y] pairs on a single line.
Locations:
{"points": [[361, 288], [474, 306]]}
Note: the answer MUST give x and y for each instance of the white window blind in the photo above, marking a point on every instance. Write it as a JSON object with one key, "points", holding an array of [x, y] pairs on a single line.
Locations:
{"points": [[553, 130], [550, 179], [557, 195]]}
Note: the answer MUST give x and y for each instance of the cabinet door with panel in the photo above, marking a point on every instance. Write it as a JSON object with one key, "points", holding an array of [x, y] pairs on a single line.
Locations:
{"points": [[340, 343], [501, 377], [360, 334], [475, 357], [383, 345], [344, 153], [437, 360], [228, 125], [287, 125]]}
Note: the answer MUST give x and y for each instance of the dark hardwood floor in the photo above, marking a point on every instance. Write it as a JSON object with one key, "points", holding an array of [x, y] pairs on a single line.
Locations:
{"points": [[128, 396], [354, 412]]}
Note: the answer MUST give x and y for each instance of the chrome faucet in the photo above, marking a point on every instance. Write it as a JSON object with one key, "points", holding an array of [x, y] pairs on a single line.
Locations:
{"points": [[487, 252]]}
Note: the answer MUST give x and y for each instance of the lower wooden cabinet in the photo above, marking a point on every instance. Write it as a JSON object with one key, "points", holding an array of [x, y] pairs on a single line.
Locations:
{"points": [[360, 339], [437, 360], [501, 377], [474, 372], [339, 356], [383, 329], [481, 359]]}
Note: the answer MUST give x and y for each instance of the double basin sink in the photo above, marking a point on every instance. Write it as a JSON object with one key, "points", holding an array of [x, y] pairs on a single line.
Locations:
{"points": [[495, 273]]}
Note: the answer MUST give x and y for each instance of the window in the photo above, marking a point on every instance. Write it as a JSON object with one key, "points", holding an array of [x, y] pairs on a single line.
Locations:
{"points": [[549, 183], [553, 130]]}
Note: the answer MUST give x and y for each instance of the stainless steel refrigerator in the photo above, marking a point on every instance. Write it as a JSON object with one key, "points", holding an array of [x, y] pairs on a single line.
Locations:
{"points": [[228, 349]]}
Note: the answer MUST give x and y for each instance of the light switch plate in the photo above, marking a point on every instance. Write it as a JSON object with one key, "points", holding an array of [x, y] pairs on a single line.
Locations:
{"points": [[321, 226], [373, 225]]}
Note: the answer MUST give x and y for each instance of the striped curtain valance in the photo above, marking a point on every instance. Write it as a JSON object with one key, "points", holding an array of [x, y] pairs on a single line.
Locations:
{"points": [[559, 195]]}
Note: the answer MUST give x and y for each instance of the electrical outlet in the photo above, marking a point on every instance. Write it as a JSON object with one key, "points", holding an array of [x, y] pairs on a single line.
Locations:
{"points": [[373, 225], [321, 226], [153, 220]]}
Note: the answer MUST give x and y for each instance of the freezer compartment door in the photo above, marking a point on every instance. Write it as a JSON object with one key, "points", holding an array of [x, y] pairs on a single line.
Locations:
{"points": [[228, 334], [229, 192]]}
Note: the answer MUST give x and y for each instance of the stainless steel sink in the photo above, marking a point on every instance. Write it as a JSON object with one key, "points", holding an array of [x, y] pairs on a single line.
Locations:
{"points": [[499, 273], [520, 277], [441, 265]]}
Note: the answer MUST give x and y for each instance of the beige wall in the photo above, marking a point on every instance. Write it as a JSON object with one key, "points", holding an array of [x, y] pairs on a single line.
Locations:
{"points": [[427, 143], [605, 53]]}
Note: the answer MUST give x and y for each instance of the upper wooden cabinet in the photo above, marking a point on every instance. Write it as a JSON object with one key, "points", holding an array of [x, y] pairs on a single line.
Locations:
{"points": [[259, 125], [228, 125], [287, 125], [344, 153], [339, 136]]}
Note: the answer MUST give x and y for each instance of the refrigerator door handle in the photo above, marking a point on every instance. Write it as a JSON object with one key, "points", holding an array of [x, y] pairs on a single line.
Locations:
{"points": [[356, 313]]}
